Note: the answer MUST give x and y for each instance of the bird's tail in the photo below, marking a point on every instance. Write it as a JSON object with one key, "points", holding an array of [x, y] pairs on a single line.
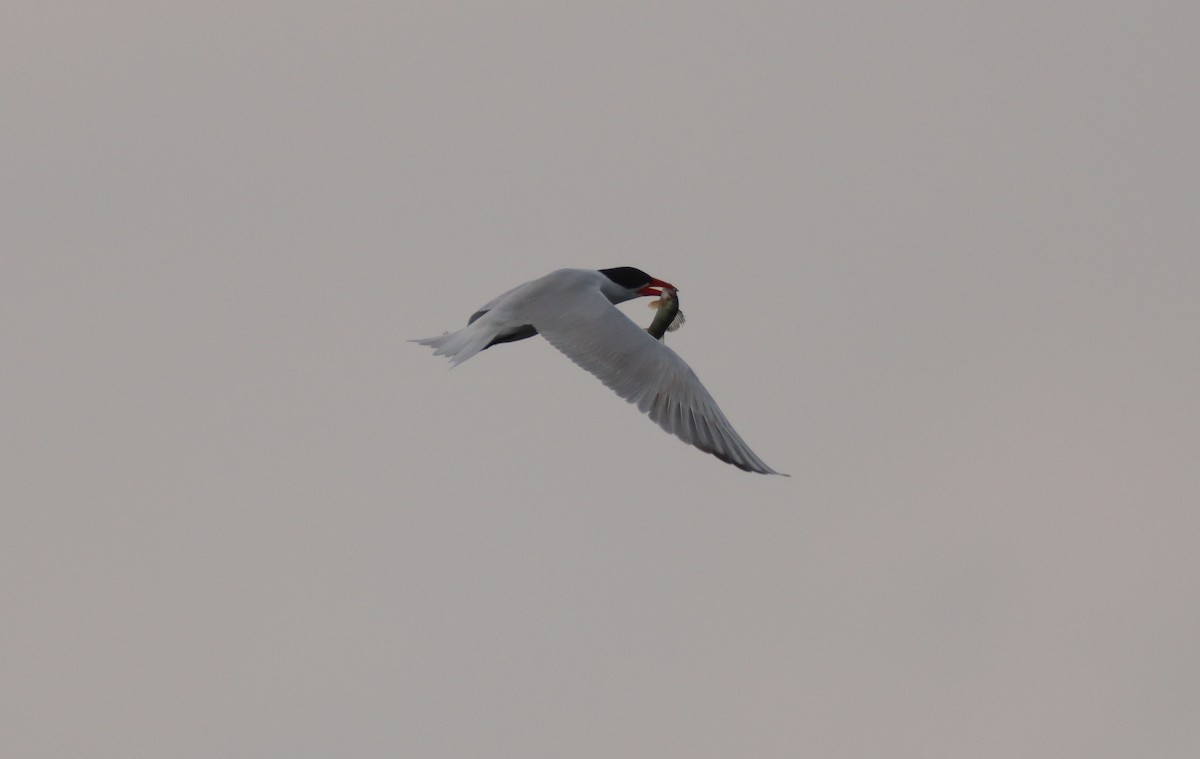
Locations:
{"points": [[458, 346]]}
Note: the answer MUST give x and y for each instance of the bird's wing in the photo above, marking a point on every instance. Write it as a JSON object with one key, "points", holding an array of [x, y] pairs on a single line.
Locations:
{"points": [[598, 337]]}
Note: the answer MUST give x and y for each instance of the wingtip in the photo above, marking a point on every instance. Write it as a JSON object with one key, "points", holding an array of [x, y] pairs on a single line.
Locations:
{"points": [[768, 470]]}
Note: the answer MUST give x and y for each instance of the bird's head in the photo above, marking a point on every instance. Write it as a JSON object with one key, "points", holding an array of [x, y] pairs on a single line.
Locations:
{"points": [[625, 283]]}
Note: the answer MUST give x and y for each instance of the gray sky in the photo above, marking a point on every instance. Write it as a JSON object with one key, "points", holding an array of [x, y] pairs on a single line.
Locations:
{"points": [[940, 263]]}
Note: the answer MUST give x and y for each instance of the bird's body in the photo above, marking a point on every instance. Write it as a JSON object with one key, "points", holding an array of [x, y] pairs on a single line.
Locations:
{"points": [[574, 310]]}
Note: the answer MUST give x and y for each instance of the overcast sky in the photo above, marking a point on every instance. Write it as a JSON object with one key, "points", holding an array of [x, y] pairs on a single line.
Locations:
{"points": [[940, 263]]}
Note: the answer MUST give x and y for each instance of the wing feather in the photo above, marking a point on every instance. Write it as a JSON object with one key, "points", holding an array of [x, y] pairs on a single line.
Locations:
{"points": [[593, 333]]}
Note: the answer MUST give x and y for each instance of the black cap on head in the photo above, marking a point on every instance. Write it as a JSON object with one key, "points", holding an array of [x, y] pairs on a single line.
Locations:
{"points": [[628, 277]]}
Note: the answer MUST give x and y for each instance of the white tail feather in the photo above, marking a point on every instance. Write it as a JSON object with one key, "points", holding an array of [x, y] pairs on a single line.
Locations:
{"points": [[458, 346]]}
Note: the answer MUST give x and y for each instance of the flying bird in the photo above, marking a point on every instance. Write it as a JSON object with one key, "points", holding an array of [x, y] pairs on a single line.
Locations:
{"points": [[574, 309]]}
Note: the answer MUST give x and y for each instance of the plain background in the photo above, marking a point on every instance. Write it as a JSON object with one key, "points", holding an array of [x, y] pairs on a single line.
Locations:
{"points": [[940, 263]]}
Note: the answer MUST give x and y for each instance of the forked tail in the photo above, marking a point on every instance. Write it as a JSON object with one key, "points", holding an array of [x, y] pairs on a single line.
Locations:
{"points": [[457, 346]]}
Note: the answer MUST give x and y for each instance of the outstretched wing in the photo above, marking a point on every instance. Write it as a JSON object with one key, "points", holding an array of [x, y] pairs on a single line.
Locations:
{"points": [[598, 337]]}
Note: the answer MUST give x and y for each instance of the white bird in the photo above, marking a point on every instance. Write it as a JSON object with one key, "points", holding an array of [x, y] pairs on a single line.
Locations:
{"points": [[574, 310]]}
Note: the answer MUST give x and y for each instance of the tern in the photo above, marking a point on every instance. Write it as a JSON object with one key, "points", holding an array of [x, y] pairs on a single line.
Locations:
{"points": [[574, 309]]}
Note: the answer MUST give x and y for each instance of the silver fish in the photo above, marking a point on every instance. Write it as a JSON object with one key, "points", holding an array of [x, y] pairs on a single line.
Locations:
{"points": [[669, 318]]}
